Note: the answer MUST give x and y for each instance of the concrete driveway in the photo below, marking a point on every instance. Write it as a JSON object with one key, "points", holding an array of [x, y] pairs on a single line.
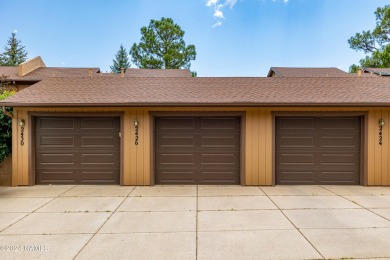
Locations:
{"points": [[194, 222]]}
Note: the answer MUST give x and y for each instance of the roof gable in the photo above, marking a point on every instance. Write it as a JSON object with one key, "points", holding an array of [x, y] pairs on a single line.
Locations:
{"points": [[286, 72], [377, 71]]}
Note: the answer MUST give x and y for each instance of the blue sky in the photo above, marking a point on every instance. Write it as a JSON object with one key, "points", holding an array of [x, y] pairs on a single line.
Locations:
{"points": [[232, 37]]}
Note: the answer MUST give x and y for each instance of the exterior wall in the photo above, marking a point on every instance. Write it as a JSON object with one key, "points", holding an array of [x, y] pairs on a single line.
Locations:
{"points": [[257, 136]]}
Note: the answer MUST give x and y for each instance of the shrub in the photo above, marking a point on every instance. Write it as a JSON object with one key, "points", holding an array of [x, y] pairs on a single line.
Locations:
{"points": [[5, 129]]}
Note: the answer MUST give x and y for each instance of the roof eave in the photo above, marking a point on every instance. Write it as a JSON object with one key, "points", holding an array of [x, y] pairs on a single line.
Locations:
{"points": [[23, 80], [241, 104]]}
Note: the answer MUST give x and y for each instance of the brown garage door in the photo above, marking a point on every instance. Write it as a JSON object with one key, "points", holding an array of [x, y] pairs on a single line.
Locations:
{"points": [[77, 150], [318, 150], [197, 150]]}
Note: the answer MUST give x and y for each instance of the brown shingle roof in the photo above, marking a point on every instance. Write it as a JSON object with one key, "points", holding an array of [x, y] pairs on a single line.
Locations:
{"points": [[286, 72], [378, 71], [45, 72], [10, 72], [158, 73], [59, 72], [103, 91]]}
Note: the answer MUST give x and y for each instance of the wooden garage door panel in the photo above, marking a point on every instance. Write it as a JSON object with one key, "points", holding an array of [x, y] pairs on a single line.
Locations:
{"points": [[231, 141], [343, 140], [56, 176], [336, 124], [175, 124], [56, 141], [99, 124], [301, 124], [175, 141], [296, 158], [339, 159], [343, 177], [181, 176], [175, 159], [219, 177], [98, 176], [197, 150], [317, 150], [71, 176], [230, 125], [99, 141], [48, 124], [86, 153], [292, 177], [55, 159], [293, 141]]}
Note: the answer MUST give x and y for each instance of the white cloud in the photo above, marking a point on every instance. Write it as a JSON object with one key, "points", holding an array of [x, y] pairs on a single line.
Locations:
{"points": [[219, 6], [63, 63], [211, 2], [217, 24], [218, 14], [218, 9], [230, 3], [15, 31]]}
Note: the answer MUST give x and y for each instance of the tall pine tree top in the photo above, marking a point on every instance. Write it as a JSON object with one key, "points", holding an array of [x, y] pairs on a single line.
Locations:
{"points": [[162, 46], [121, 60], [14, 53]]}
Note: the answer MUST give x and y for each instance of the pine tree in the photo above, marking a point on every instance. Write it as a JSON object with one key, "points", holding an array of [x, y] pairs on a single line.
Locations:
{"points": [[162, 46], [121, 60], [375, 42], [14, 53]]}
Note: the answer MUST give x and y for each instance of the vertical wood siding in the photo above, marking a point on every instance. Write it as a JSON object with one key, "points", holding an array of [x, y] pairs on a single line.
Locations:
{"points": [[258, 142]]}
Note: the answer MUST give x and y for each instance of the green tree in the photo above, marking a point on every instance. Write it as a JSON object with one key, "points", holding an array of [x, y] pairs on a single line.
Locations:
{"points": [[375, 42], [162, 47], [4, 82], [14, 53], [5, 129], [121, 60]]}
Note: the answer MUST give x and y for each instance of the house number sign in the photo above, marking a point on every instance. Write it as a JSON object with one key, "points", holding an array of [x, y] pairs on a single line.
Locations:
{"points": [[22, 135], [136, 134]]}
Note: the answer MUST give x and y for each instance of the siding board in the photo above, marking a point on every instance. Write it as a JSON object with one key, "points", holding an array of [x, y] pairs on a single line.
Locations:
{"points": [[371, 136], [140, 147], [258, 144], [255, 149], [24, 149], [378, 151], [262, 147], [15, 133], [146, 153], [268, 148], [126, 149], [248, 148], [385, 148], [133, 149]]}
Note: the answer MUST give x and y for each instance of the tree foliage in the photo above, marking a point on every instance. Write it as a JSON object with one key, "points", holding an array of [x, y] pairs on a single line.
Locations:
{"points": [[5, 129], [4, 82], [121, 60], [375, 42], [14, 53], [162, 47]]}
